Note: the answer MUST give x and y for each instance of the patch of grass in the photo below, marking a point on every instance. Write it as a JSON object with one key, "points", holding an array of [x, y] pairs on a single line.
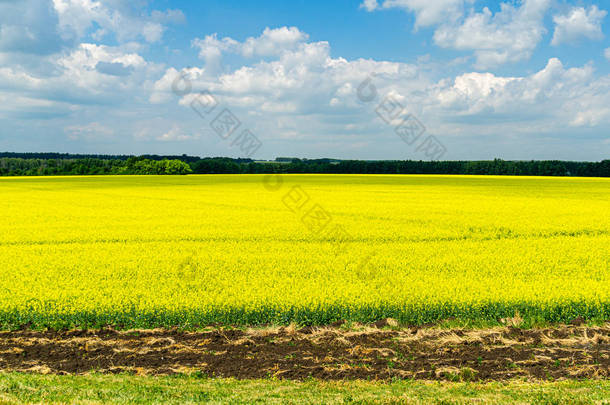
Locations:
{"points": [[124, 388]]}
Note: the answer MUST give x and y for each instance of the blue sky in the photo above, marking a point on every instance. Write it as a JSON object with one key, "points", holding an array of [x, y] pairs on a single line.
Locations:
{"points": [[522, 79]]}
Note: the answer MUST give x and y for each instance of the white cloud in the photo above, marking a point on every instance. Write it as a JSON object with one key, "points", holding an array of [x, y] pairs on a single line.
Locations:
{"points": [[92, 132], [152, 32], [28, 26], [607, 53], [578, 23], [168, 16], [17, 106], [303, 94], [369, 5], [41, 57], [121, 17], [510, 35], [113, 68], [555, 95], [298, 80], [88, 75], [292, 93], [211, 49], [81, 70], [152, 130], [175, 134], [427, 12], [272, 42]]}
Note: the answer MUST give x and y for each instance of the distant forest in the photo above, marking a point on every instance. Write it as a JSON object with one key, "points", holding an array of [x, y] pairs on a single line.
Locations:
{"points": [[47, 164]]}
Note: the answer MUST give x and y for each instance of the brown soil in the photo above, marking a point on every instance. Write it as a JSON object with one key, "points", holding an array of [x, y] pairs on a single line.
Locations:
{"points": [[326, 353]]}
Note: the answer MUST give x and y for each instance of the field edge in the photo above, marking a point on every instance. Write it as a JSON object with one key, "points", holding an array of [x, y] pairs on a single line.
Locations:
{"points": [[40, 315]]}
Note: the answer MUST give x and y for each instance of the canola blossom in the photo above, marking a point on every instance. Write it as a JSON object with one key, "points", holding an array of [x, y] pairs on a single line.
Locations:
{"points": [[147, 251]]}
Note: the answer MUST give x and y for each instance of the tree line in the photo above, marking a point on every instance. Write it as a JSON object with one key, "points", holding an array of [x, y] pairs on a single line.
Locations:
{"points": [[11, 166], [33, 164]]}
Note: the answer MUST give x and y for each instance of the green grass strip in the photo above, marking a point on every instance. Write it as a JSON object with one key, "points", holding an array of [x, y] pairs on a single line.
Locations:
{"points": [[130, 389], [46, 316]]}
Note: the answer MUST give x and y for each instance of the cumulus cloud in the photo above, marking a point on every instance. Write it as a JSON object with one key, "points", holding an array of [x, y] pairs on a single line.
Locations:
{"points": [[14, 105], [87, 70], [272, 42], [290, 91], [125, 19], [302, 78], [43, 61], [426, 12], [578, 23], [93, 131], [89, 75], [175, 134], [168, 16], [559, 96], [304, 92], [369, 5], [211, 49], [510, 35], [113, 68], [29, 26]]}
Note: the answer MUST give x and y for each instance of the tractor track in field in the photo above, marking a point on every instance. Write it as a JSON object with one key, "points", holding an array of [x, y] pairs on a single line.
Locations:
{"points": [[332, 353]]}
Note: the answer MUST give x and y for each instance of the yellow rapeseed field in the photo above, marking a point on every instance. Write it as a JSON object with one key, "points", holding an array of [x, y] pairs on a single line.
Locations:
{"points": [[246, 249]]}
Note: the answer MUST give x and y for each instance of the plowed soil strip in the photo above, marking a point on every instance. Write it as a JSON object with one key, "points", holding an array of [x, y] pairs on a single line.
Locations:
{"points": [[571, 352]]}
